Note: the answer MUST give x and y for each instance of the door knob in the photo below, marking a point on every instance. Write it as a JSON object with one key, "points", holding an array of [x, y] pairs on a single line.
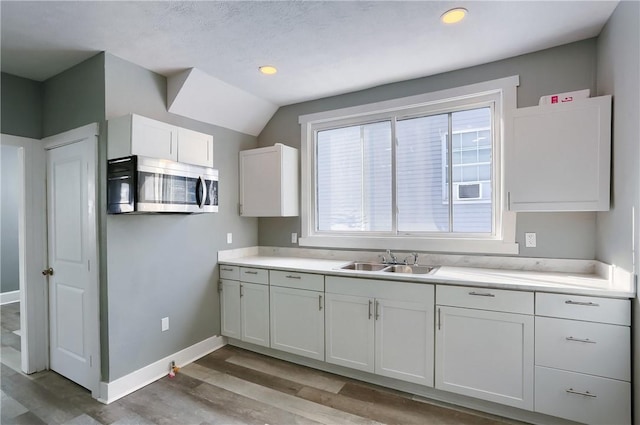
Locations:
{"points": [[47, 272]]}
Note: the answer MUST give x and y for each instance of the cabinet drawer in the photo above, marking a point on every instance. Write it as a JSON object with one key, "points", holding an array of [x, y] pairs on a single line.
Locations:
{"points": [[592, 309], [592, 348], [252, 275], [229, 272], [582, 398], [309, 281], [485, 299]]}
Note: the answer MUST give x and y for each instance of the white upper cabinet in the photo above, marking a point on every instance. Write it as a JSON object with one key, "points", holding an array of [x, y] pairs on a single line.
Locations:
{"points": [[195, 148], [558, 157], [136, 135], [269, 182]]}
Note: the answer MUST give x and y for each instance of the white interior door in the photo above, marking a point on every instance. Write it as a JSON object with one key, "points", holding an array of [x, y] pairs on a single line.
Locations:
{"points": [[72, 262]]}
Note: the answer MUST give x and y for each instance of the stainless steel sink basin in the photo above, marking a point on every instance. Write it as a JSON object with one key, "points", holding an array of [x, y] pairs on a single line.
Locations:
{"points": [[361, 266], [410, 269]]}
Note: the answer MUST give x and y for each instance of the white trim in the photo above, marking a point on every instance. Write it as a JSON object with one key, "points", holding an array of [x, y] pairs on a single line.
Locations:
{"points": [[417, 100], [9, 297], [71, 136], [112, 391], [504, 224], [470, 246], [32, 256]]}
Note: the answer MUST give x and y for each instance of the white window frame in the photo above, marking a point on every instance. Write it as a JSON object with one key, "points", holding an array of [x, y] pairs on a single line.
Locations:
{"points": [[501, 241]]}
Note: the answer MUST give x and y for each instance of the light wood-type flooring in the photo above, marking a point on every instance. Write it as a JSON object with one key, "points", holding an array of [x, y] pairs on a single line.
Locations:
{"points": [[229, 386]]}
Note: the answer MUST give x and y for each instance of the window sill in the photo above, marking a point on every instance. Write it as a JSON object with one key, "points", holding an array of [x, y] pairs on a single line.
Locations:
{"points": [[458, 246]]}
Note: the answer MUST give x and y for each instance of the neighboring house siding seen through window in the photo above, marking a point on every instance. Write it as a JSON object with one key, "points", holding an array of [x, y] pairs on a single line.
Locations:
{"points": [[416, 173]]}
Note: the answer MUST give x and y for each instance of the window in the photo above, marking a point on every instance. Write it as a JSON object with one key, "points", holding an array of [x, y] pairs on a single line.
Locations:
{"points": [[414, 175]]}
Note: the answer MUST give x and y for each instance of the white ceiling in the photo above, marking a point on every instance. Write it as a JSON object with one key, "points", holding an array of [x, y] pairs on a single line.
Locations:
{"points": [[321, 48]]}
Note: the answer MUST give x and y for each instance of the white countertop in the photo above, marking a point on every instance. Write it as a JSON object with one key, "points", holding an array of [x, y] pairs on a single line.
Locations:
{"points": [[523, 280]]}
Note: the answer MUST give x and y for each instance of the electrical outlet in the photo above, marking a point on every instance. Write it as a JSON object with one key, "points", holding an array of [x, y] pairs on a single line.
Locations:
{"points": [[530, 240], [229, 237], [165, 324], [294, 238]]}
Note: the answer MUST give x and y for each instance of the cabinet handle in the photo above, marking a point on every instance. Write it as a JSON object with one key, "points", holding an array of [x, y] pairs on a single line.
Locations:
{"points": [[250, 272], [377, 309], [588, 304], [370, 303], [481, 294], [290, 276], [319, 302], [586, 340], [241, 291], [226, 269], [438, 319], [586, 393]]}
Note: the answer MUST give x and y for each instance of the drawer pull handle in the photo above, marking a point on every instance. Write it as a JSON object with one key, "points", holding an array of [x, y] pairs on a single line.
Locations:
{"points": [[588, 304], [250, 272], [481, 294], [586, 393], [290, 276], [227, 269], [370, 304], [586, 340], [320, 302]]}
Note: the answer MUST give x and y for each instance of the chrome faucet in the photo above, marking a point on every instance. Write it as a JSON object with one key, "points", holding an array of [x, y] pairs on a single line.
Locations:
{"points": [[390, 258]]}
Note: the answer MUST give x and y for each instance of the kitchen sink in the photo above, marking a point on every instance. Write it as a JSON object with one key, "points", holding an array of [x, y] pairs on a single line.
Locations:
{"points": [[361, 266], [410, 269]]}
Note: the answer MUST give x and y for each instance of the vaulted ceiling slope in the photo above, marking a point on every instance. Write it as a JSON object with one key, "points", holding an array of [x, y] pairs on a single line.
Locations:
{"points": [[321, 48]]}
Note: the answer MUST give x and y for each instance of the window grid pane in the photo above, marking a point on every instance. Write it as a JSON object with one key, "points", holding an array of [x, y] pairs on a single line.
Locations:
{"points": [[354, 190]]}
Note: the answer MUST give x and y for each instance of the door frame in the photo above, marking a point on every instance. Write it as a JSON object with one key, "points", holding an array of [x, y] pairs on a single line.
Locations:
{"points": [[34, 340], [88, 133]]}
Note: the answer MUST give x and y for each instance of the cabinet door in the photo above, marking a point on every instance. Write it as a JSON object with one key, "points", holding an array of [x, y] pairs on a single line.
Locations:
{"points": [[349, 325], [153, 138], [297, 321], [195, 148], [485, 354], [230, 308], [260, 183], [559, 157], [404, 340], [254, 305]]}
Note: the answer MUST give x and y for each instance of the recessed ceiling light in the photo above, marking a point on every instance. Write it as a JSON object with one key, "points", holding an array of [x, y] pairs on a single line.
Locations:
{"points": [[454, 15], [268, 70]]}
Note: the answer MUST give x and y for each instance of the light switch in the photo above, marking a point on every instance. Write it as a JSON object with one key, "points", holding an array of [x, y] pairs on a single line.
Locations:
{"points": [[229, 237]]}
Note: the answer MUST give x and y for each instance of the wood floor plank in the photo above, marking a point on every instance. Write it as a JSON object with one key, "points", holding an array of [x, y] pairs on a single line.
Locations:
{"points": [[412, 409], [299, 374], [247, 410], [257, 377], [293, 404]]}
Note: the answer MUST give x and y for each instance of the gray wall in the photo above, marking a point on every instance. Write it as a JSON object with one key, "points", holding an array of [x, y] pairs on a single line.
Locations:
{"points": [[74, 97], [165, 265], [565, 68], [21, 106], [9, 277], [618, 75]]}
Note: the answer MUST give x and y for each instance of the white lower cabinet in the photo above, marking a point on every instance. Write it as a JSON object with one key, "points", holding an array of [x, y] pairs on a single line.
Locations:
{"points": [[230, 308], [244, 307], [485, 354], [297, 313], [380, 327], [254, 306], [582, 398], [583, 363]]}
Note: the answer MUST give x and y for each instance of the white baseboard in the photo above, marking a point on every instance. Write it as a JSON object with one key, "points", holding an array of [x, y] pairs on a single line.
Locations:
{"points": [[112, 391], [9, 297]]}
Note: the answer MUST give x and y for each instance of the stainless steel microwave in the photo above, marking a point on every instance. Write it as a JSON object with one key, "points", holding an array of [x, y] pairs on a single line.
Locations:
{"points": [[137, 184]]}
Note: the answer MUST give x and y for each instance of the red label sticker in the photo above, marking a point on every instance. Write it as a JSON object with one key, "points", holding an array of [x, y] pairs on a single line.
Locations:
{"points": [[554, 99]]}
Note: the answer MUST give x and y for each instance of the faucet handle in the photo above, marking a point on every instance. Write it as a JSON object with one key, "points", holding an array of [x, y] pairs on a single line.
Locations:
{"points": [[415, 258]]}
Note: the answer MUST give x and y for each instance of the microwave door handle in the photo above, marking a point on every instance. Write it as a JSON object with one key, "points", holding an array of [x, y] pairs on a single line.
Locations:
{"points": [[203, 192]]}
